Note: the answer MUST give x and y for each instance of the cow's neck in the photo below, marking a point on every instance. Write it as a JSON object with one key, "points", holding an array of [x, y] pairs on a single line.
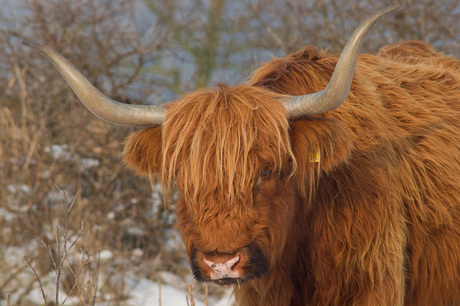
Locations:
{"points": [[284, 284]]}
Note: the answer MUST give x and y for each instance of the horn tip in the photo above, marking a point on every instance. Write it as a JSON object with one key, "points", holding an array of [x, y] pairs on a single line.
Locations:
{"points": [[27, 43], [391, 8], [31, 44]]}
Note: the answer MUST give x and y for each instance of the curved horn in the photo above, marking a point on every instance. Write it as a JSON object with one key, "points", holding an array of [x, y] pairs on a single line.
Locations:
{"points": [[339, 85], [99, 104]]}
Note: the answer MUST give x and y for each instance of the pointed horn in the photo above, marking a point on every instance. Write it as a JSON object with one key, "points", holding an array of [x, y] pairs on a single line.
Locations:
{"points": [[339, 85], [99, 104]]}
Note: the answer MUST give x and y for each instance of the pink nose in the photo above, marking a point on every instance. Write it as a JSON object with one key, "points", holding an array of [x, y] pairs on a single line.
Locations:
{"points": [[223, 267]]}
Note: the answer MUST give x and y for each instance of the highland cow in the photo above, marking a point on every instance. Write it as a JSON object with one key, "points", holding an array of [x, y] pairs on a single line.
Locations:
{"points": [[323, 180]]}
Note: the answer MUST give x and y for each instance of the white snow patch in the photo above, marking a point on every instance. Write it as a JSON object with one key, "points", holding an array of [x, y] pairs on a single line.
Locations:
{"points": [[174, 242], [146, 292], [105, 255], [59, 151], [137, 253], [135, 231], [6, 215], [87, 163], [35, 296], [18, 188]]}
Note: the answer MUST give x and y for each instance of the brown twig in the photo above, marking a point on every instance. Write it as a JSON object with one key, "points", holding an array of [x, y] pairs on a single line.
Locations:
{"points": [[206, 293], [159, 292], [29, 264], [190, 295]]}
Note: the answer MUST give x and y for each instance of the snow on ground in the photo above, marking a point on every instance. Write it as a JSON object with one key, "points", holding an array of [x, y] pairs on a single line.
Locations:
{"points": [[142, 292], [146, 293]]}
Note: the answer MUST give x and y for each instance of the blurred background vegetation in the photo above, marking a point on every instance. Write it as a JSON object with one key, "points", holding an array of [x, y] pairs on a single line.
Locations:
{"points": [[65, 195]]}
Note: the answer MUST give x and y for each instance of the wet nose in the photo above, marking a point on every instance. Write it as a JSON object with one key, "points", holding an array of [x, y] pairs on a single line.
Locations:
{"points": [[223, 265]]}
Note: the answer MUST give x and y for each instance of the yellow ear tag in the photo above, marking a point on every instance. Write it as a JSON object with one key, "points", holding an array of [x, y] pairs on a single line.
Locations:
{"points": [[316, 157]]}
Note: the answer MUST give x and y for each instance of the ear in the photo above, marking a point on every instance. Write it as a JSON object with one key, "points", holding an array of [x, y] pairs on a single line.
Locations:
{"points": [[326, 138], [143, 151]]}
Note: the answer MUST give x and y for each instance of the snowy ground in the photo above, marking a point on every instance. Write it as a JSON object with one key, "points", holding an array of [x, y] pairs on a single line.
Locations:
{"points": [[146, 293], [139, 291], [143, 293]]}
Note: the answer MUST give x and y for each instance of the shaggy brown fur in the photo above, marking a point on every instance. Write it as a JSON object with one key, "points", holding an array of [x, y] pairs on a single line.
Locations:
{"points": [[376, 222]]}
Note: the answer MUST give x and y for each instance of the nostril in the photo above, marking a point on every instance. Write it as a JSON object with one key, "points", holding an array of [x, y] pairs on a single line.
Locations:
{"points": [[237, 260]]}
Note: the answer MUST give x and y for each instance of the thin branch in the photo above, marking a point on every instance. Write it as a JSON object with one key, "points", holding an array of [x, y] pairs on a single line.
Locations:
{"points": [[159, 292], [29, 264], [190, 295]]}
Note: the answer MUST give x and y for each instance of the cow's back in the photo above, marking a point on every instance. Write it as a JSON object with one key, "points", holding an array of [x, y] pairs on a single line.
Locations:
{"points": [[429, 171], [414, 134]]}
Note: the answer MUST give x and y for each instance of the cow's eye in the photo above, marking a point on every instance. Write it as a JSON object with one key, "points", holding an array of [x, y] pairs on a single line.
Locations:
{"points": [[266, 172]]}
